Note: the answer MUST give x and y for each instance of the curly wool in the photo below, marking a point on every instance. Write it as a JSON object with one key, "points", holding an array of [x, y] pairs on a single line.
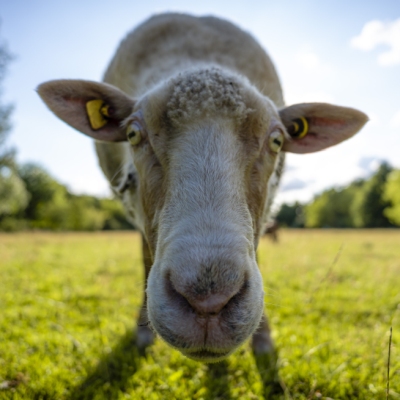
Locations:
{"points": [[205, 92]]}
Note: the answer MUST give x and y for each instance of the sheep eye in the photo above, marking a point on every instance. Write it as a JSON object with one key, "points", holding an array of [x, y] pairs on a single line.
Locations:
{"points": [[134, 133], [276, 139]]}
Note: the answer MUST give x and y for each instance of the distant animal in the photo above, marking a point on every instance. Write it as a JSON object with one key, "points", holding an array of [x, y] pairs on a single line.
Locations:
{"points": [[271, 230], [191, 130]]}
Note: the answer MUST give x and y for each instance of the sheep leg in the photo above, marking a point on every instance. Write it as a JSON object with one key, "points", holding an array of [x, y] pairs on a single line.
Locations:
{"points": [[262, 342], [145, 336], [266, 359]]}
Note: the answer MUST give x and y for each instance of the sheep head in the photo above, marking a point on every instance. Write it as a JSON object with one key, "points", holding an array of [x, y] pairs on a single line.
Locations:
{"points": [[207, 148]]}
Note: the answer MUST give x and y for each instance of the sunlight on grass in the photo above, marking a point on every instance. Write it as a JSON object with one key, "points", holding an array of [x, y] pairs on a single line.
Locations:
{"points": [[69, 304]]}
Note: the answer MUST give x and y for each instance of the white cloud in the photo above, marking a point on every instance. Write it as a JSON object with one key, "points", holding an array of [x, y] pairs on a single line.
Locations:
{"points": [[312, 62], [369, 164], [294, 184], [303, 196], [395, 121], [375, 33]]}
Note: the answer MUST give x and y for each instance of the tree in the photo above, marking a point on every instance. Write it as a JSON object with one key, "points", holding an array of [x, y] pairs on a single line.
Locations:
{"points": [[331, 208], [362, 204], [52, 206], [84, 213], [291, 215], [6, 155], [391, 194], [47, 196], [115, 215], [13, 194], [369, 203]]}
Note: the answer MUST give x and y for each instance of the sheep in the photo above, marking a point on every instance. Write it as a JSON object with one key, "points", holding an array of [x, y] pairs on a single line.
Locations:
{"points": [[191, 131]]}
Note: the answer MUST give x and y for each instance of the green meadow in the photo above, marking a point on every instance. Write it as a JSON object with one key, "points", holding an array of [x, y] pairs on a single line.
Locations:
{"points": [[69, 301]]}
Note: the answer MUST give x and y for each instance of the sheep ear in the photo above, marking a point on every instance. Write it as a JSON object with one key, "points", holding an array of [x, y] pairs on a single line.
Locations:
{"points": [[95, 109], [316, 126]]}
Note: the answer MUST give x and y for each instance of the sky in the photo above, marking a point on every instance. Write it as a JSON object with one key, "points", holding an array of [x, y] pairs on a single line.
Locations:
{"points": [[341, 52]]}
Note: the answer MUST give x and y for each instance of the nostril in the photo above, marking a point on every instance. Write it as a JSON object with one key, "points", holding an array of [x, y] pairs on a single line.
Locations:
{"points": [[210, 304], [177, 297], [240, 294]]}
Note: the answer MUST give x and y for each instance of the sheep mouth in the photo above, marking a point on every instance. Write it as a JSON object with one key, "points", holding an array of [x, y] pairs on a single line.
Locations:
{"points": [[207, 355]]}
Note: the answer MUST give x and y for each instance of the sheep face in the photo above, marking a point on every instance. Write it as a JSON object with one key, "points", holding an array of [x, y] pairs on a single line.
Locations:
{"points": [[204, 160], [206, 148]]}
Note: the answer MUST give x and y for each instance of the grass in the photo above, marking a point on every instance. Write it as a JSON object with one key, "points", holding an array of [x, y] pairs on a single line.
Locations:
{"points": [[69, 301]]}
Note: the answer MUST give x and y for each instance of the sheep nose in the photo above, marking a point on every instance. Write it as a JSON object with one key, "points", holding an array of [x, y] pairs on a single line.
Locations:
{"points": [[204, 305], [210, 305]]}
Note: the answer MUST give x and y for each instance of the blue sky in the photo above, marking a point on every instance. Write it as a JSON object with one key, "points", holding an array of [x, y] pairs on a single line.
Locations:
{"points": [[344, 52]]}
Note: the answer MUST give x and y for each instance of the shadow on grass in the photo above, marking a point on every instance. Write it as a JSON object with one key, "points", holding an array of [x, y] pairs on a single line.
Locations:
{"points": [[217, 381], [111, 375], [273, 386]]}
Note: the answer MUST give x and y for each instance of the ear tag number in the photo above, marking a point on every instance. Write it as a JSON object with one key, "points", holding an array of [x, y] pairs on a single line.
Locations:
{"points": [[98, 113], [299, 129]]}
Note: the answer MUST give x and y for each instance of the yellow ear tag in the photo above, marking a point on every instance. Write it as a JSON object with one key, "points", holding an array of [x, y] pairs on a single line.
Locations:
{"points": [[299, 129], [97, 112]]}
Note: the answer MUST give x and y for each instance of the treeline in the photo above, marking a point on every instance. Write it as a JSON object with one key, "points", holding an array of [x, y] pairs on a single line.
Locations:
{"points": [[30, 198], [365, 203]]}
